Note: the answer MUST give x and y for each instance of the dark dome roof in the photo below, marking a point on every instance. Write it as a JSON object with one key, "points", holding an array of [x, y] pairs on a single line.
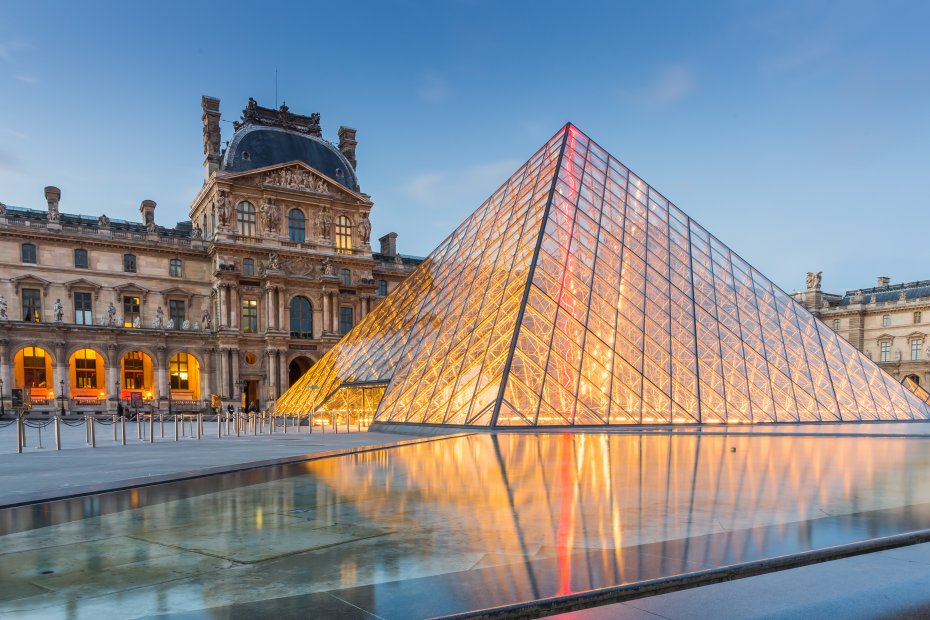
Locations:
{"points": [[257, 146]]}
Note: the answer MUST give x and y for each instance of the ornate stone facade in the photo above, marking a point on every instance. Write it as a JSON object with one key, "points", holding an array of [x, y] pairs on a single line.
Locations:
{"points": [[888, 322], [273, 267]]}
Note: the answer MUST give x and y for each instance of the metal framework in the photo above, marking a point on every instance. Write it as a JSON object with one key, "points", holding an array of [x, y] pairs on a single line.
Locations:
{"points": [[577, 295]]}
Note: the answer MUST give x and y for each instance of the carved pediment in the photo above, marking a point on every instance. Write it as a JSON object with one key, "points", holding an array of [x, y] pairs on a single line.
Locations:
{"points": [[300, 265], [30, 282], [885, 337], [296, 176], [178, 292], [131, 288], [82, 284]]}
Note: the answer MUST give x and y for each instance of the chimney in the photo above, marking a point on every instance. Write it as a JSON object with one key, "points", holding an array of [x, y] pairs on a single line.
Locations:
{"points": [[147, 209], [53, 195], [347, 144], [211, 135], [389, 244], [884, 280]]}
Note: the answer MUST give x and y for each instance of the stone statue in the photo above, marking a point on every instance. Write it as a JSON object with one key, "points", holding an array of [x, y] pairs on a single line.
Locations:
{"points": [[813, 280], [136, 323], [270, 215], [327, 219], [2, 209], [223, 210], [59, 311], [186, 324], [364, 228], [273, 261], [169, 324], [902, 296], [3, 315], [205, 319], [111, 315], [103, 221], [320, 187], [856, 297], [159, 321], [198, 232], [327, 267]]}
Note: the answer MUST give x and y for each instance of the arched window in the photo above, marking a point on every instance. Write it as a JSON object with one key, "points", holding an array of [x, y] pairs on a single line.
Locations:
{"points": [[296, 226], [301, 318], [245, 219], [129, 263], [174, 268], [28, 253], [382, 287], [343, 235]]}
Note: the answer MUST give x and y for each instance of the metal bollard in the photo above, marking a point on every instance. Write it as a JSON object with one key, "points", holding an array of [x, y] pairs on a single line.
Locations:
{"points": [[219, 427], [57, 433], [199, 426], [19, 434], [175, 427], [123, 429], [151, 428], [86, 430], [93, 432], [115, 424], [161, 421]]}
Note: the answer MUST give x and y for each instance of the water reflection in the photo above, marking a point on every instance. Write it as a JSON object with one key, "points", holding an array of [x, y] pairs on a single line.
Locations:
{"points": [[474, 521]]}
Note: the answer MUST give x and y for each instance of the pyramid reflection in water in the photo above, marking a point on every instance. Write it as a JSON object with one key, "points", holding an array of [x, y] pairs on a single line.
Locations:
{"points": [[578, 295]]}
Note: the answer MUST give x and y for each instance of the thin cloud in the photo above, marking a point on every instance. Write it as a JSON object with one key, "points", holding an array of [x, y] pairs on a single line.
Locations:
{"points": [[672, 84], [27, 79], [433, 89], [465, 187]]}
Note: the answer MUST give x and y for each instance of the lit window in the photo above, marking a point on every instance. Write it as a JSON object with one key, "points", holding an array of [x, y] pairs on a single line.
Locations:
{"points": [[134, 371], [80, 259], [916, 346], [301, 318], [179, 372], [85, 368], [131, 311], [34, 368], [174, 268], [346, 276], [886, 320], [343, 235], [83, 309], [129, 263], [28, 252], [176, 312], [836, 325], [346, 320], [245, 219], [249, 316], [32, 305], [296, 226], [885, 351], [382, 287], [248, 266], [917, 317]]}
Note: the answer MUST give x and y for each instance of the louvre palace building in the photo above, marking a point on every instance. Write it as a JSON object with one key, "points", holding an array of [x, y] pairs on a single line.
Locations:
{"points": [[274, 265]]}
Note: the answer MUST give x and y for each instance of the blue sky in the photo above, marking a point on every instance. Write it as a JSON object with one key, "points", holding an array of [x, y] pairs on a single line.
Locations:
{"points": [[797, 132]]}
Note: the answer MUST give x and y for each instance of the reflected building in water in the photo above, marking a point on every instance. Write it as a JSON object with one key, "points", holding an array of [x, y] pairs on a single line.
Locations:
{"points": [[577, 295]]}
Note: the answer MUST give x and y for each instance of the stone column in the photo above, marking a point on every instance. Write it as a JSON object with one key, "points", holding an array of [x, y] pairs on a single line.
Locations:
{"points": [[326, 312], [235, 307], [220, 306], [161, 372], [60, 370], [6, 374], [335, 305], [269, 308], [235, 375], [206, 373], [112, 375], [282, 371], [282, 309]]}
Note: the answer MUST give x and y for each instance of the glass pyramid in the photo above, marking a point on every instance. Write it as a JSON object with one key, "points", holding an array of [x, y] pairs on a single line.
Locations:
{"points": [[577, 295]]}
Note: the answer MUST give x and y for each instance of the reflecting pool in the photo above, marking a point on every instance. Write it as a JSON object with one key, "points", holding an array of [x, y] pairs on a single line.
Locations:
{"points": [[455, 524]]}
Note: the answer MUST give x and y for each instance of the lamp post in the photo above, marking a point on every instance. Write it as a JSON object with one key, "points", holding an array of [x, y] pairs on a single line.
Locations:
{"points": [[61, 397], [119, 399]]}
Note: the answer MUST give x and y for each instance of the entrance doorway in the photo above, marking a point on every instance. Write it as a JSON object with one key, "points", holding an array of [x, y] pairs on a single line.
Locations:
{"points": [[251, 393], [297, 368]]}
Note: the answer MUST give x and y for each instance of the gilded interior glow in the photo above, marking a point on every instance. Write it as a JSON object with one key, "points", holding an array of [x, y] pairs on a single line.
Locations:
{"points": [[577, 295]]}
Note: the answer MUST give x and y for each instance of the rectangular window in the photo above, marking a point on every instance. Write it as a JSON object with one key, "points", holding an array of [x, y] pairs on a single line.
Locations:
{"points": [[346, 277], [80, 259], [382, 287], [248, 266], [29, 253], [885, 351], [916, 345], [917, 316], [249, 316], [886, 320], [129, 263], [174, 268], [176, 312], [346, 320], [131, 311], [83, 309], [34, 368], [178, 371], [85, 368], [32, 305], [836, 325], [133, 371]]}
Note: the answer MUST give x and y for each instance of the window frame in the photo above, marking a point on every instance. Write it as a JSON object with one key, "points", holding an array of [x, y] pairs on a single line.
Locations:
{"points": [[173, 305], [383, 288], [176, 268], [37, 369], [917, 345], [245, 219], [85, 369], [32, 311], [249, 310], [86, 258], [133, 370], [248, 266], [83, 308], [345, 275], [343, 235], [296, 226], [179, 363], [884, 351], [918, 316], [130, 314], [346, 326], [29, 253], [301, 318], [130, 263]]}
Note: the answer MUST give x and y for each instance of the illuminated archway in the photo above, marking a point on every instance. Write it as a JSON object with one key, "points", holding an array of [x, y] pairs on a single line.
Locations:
{"points": [[137, 374], [32, 368], [87, 374], [297, 368], [184, 376]]}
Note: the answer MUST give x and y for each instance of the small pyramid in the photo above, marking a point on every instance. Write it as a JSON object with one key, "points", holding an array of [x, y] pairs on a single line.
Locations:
{"points": [[577, 295]]}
